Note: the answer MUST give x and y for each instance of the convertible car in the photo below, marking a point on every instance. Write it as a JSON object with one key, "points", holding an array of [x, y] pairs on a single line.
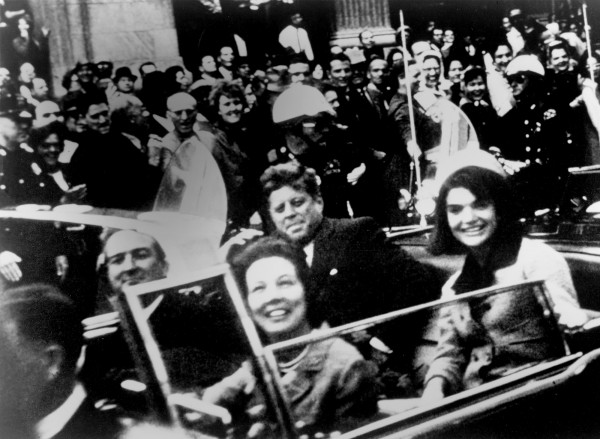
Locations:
{"points": [[154, 351]]}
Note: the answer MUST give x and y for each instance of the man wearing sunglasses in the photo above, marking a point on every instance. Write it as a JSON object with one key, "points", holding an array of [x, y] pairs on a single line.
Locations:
{"points": [[306, 122], [534, 140]]}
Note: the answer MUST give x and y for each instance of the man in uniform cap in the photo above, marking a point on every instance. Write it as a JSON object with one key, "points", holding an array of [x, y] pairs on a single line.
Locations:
{"points": [[312, 139], [534, 141]]}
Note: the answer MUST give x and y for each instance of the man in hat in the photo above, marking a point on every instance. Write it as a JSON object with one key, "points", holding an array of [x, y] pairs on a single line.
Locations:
{"points": [[311, 138], [124, 80]]}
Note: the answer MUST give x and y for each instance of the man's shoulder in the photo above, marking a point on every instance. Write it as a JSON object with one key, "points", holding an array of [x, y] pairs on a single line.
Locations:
{"points": [[354, 225]]}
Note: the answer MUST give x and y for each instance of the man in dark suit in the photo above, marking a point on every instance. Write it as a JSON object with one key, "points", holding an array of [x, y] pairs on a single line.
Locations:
{"points": [[116, 173], [357, 274], [40, 344]]}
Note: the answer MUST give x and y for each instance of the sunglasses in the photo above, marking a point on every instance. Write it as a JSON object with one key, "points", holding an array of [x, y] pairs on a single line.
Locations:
{"points": [[183, 113], [520, 79]]}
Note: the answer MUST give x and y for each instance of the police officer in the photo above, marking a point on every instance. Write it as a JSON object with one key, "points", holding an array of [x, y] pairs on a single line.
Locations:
{"points": [[310, 137], [534, 140]]}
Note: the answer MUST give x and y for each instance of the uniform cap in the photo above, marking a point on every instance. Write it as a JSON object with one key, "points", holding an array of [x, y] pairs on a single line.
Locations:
{"points": [[525, 64]]}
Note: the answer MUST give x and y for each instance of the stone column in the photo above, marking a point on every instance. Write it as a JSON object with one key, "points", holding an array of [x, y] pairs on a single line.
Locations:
{"points": [[126, 32], [353, 16]]}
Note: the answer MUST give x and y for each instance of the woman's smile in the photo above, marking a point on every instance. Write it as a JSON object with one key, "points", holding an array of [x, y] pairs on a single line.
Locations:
{"points": [[472, 221]]}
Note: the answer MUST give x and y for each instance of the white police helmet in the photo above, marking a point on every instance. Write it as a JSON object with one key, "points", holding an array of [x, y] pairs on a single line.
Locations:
{"points": [[525, 64], [299, 100]]}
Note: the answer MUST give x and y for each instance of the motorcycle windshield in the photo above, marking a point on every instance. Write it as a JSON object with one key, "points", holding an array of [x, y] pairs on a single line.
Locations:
{"points": [[192, 184]]}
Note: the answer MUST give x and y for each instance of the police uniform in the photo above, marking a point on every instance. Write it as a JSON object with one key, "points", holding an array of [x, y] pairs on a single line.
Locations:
{"points": [[537, 135], [331, 166], [5, 199]]}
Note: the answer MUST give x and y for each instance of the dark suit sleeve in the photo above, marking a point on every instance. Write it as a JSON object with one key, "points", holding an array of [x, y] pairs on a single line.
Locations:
{"points": [[402, 280]]}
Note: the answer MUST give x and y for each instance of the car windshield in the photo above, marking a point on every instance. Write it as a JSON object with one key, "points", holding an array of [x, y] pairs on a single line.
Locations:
{"points": [[345, 379]]}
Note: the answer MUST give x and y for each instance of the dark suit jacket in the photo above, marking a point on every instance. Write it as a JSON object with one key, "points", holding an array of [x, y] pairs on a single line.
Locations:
{"points": [[90, 423], [358, 275], [116, 173]]}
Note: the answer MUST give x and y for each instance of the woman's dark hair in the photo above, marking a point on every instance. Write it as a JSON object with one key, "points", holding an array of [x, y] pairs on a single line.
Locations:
{"points": [[170, 76], [485, 185], [67, 79], [38, 135], [269, 246], [390, 56]]}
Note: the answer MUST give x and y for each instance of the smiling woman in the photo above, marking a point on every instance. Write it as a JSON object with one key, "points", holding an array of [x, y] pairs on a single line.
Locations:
{"points": [[327, 384], [481, 341], [236, 152]]}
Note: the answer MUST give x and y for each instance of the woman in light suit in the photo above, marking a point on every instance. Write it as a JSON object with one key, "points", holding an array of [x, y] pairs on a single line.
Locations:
{"points": [[492, 336]]}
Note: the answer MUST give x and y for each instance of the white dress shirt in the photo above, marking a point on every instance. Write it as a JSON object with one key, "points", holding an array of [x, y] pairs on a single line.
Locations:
{"points": [[297, 39], [53, 423]]}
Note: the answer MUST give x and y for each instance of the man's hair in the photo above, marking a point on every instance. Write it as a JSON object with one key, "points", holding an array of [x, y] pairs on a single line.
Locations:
{"points": [[559, 44], [375, 58], [38, 135], [267, 247], [339, 57], [324, 87], [109, 232], [297, 59], [230, 89], [89, 99], [362, 32], [223, 47], [486, 185], [290, 174], [40, 313], [473, 72], [502, 43], [119, 111]]}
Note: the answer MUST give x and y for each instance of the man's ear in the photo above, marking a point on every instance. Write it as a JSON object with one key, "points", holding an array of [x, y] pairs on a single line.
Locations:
{"points": [[54, 359], [319, 203]]}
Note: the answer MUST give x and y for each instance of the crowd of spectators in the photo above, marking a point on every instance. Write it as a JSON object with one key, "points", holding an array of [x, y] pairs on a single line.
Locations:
{"points": [[120, 127]]}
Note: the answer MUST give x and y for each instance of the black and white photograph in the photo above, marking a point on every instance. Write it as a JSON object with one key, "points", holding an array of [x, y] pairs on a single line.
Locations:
{"points": [[299, 219]]}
